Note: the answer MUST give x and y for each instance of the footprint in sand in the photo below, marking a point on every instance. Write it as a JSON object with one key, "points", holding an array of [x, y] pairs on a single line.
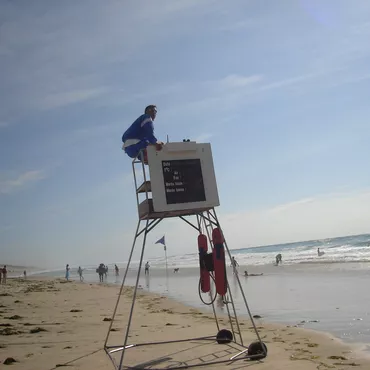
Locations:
{"points": [[338, 358], [14, 317], [37, 330]]}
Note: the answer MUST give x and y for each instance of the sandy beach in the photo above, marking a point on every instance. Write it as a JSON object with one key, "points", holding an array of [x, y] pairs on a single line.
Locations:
{"points": [[46, 324]]}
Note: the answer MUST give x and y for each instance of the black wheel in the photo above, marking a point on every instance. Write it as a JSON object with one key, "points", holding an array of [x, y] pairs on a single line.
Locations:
{"points": [[224, 336], [258, 350]]}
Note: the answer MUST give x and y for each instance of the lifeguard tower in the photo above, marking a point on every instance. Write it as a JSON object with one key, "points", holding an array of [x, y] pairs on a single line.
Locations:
{"points": [[179, 181]]}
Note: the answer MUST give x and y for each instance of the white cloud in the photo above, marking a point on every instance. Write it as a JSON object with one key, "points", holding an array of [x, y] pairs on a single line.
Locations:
{"points": [[8, 186], [289, 81], [203, 138], [236, 81], [61, 99]]}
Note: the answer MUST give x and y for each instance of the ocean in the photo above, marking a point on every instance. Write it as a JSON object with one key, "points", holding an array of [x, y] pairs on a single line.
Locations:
{"points": [[327, 293], [337, 250]]}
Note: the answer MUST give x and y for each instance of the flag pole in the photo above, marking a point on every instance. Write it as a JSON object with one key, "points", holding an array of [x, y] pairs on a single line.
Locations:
{"points": [[165, 253]]}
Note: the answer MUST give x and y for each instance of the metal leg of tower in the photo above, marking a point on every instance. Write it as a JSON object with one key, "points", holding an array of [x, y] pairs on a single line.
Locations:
{"points": [[233, 319], [123, 283], [214, 216], [134, 296], [201, 220]]}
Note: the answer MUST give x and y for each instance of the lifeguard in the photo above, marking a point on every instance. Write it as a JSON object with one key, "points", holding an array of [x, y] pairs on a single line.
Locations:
{"points": [[141, 134]]}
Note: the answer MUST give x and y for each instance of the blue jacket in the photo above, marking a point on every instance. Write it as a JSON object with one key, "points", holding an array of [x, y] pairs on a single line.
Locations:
{"points": [[142, 129]]}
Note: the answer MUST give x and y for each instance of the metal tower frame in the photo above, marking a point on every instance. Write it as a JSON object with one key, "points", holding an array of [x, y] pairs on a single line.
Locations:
{"points": [[206, 221]]}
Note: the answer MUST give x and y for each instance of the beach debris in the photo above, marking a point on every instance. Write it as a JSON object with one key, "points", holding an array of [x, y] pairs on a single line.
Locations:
{"points": [[17, 301], [6, 325], [37, 330], [169, 324], [312, 345], [107, 319], [5, 295], [68, 347], [338, 358], [9, 361], [14, 317], [114, 329], [75, 310], [257, 316]]}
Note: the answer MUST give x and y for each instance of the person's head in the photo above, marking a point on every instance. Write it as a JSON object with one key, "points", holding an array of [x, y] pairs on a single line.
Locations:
{"points": [[152, 111]]}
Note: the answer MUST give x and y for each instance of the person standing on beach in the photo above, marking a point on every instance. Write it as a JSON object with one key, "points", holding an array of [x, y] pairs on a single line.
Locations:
{"points": [[25, 274], [147, 268], [80, 273], [116, 269], [101, 271], [67, 272], [5, 272]]}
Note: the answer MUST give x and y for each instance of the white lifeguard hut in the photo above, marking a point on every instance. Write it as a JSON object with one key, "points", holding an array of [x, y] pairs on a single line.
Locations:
{"points": [[179, 181]]}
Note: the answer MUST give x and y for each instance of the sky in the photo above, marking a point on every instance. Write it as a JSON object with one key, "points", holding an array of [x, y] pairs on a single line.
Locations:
{"points": [[279, 88]]}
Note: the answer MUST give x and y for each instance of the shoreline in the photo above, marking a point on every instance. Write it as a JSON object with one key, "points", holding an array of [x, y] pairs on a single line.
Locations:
{"points": [[288, 296], [72, 314], [312, 297]]}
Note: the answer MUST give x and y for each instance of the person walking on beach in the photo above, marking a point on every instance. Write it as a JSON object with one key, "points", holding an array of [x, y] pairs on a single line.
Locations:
{"points": [[116, 269], [67, 272], [279, 259], [25, 274], [147, 268], [5, 272], [80, 270], [234, 264]]}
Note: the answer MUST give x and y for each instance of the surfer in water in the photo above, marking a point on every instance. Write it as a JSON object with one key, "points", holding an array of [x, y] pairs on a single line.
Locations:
{"points": [[246, 274], [319, 253]]}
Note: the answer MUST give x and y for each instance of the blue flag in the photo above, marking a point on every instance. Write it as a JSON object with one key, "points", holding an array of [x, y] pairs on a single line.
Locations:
{"points": [[161, 241]]}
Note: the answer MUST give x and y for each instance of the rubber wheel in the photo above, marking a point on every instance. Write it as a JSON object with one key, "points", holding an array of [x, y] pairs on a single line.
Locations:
{"points": [[257, 348], [224, 336]]}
